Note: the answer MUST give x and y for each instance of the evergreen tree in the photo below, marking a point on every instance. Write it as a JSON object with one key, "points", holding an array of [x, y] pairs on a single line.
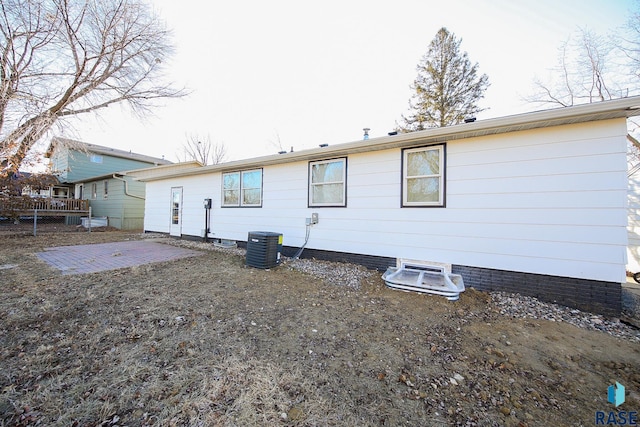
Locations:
{"points": [[447, 89]]}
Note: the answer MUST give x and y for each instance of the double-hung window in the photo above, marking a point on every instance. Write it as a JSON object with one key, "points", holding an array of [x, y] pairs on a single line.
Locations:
{"points": [[423, 176], [328, 183], [242, 189]]}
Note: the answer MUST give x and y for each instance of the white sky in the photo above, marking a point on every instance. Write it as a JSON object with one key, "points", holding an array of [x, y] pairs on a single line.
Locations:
{"points": [[319, 72]]}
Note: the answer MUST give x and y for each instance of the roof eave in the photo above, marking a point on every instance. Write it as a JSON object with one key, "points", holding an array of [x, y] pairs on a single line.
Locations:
{"points": [[619, 108], [107, 151]]}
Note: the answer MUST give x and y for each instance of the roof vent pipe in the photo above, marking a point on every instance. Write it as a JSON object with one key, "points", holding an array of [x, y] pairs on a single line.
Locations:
{"points": [[366, 133]]}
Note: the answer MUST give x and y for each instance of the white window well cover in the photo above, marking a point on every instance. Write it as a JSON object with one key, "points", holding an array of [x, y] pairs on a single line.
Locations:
{"points": [[425, 278]]}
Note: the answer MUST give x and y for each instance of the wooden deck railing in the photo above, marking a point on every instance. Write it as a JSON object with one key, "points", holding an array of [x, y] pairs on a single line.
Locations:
{"points": [[27, 205]]}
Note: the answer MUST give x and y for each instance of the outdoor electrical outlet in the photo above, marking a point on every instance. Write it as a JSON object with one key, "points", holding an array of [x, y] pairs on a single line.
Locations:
{"points": [[314, 218]]}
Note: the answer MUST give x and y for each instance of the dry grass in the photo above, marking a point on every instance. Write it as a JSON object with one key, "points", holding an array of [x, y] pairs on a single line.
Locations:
{"points": [[101, 349], [206, 341]]}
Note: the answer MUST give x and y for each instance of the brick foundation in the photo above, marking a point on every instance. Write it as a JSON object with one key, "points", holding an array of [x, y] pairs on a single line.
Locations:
{"points": [[587, 295]]}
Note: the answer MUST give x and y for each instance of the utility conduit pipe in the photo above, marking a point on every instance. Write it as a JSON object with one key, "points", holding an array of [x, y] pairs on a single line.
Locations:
{"points": [[306, 239]]}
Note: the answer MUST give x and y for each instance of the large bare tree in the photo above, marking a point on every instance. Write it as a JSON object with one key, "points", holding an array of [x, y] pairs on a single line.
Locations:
{"points": [[62, 58], [587, 71], [629, 44]]}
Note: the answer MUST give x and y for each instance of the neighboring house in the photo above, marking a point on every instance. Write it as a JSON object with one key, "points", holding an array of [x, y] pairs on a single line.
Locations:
{"points": [[118, 198], [534, 203], [28, 194], [98, 174], [17, 186]]}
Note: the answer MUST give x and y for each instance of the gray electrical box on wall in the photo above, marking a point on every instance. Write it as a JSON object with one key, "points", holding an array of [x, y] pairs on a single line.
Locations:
{"points": [[314, 218], [263, 249]]}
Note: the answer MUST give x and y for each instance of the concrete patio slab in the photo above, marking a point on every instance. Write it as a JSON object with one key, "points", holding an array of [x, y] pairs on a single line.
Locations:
{"points": [[83, 259]]}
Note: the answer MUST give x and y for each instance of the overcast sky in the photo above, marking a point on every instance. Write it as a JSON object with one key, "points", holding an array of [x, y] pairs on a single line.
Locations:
{"points": [[305, 73]]}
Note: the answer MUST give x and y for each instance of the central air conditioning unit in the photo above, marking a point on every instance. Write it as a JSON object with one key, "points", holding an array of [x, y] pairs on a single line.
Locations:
{"points": [[264, 249]]}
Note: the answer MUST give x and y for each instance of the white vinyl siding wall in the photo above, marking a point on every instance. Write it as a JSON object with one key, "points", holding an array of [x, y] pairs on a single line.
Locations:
{"points": [[195, 190], [548, 201]]}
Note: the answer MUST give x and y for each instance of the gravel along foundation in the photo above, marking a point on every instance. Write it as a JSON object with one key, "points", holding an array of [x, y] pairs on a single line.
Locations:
{"points": [[207, 341]]}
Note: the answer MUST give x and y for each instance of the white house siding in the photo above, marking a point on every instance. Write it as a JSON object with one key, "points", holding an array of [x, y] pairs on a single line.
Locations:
{"points": [[195, 190], [156, 206], [548, 201]]}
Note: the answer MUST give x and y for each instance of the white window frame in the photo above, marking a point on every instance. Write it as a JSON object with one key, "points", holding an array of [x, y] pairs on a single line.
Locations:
{"points": [[241, 190], [343, 181], [440, 176], [94, 190]]}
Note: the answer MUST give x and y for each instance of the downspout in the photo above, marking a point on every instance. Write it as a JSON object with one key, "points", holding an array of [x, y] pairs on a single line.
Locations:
{"points": [[126, 188]]}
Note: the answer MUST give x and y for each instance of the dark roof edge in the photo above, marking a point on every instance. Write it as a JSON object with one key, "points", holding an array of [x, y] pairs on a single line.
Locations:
{"points": [[99, 149]]}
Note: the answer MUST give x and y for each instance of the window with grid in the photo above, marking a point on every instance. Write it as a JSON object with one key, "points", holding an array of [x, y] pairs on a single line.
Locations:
{"points": [[423, 178], [242, 189], [328, 183]]}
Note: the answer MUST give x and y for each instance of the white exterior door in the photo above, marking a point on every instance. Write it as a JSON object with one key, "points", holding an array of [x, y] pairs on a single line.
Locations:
{"points": [[175, 228]]}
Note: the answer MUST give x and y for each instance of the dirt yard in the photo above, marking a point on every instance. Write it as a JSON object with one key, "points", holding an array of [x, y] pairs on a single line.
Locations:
{"points": [[206, 341]]}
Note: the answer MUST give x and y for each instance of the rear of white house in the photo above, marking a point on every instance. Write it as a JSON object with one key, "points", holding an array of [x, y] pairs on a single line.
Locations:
{"points": [[534, 203]]}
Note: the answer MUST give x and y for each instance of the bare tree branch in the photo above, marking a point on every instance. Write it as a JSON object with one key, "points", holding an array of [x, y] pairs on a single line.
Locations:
{"points": [[202, 150], [583, 74], [629, 44], [276, 142]]}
